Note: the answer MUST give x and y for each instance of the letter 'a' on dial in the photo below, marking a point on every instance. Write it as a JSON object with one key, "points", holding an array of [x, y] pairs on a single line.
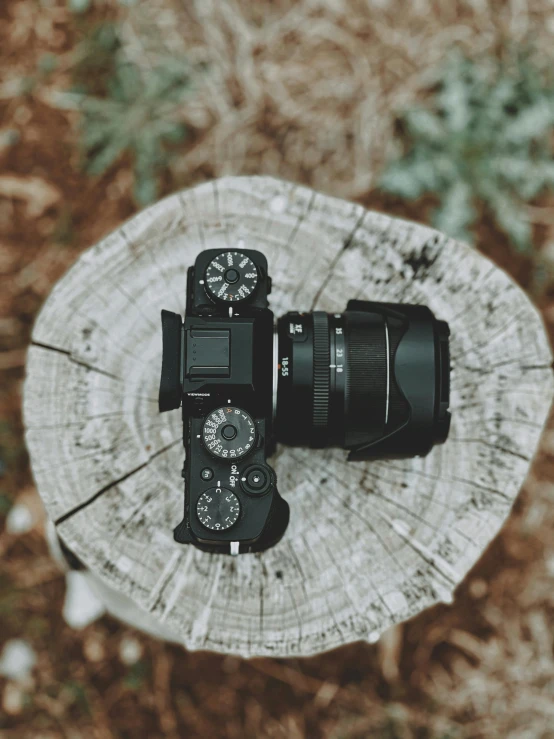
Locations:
{"points": [[228, 432], [231, 277]]}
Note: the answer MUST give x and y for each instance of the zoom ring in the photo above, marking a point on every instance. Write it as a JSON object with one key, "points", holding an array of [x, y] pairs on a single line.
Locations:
{"points": [[320, 417]]}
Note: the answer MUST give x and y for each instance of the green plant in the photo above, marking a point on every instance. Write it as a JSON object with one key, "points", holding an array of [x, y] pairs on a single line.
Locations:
{"points": [[126, 110], [139, 115], [483, 137], [79, 6], [83, 6], [137, 675], [95, 57], [5, 504]]}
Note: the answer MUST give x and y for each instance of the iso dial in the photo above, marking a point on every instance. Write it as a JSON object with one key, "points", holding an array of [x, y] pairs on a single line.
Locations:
{"points": [[228, 432], [231, 277]]}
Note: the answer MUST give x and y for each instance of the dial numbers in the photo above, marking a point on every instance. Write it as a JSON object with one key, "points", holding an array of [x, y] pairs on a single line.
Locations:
{"points": [[231, 277], [229, 433], [218, 509]]}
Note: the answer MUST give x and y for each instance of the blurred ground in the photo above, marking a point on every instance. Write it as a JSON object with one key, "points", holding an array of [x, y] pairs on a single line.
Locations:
{"points": [[482, 667]]}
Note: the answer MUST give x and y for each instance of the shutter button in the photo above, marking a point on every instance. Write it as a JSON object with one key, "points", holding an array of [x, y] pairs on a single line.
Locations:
{"points": [[256, 480]]}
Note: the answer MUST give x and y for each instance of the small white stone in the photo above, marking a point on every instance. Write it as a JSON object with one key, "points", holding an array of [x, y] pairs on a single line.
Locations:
{"points": [[93, 648], [478, 587], [130, 650], [17, 660], [12, 699], [19, 519], [82, 606]]}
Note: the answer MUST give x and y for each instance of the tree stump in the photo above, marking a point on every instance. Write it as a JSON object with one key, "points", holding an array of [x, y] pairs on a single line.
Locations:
{"points": [[369, 544]]}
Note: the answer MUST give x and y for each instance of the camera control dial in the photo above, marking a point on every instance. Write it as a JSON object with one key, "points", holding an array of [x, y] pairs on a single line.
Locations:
{"points": [[218, 509], [230, 277], [229, 433]]}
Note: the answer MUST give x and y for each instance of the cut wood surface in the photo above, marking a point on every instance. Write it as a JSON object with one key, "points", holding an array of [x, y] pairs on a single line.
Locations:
{"points": [[369, 544]]}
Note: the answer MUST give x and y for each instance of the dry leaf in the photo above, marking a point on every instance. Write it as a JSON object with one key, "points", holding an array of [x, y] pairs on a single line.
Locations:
{"points": [[38, 194]]}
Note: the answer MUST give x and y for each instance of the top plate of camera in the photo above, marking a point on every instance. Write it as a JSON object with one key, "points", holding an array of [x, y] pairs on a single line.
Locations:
{"points": [[231, 277]]}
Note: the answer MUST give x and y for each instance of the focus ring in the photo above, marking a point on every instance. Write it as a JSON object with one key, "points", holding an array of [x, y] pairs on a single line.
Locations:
{"points": [[320, 417]]}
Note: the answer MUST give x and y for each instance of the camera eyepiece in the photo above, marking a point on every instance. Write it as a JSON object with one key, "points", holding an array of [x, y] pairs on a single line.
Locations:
{"points": [[374, 379]]}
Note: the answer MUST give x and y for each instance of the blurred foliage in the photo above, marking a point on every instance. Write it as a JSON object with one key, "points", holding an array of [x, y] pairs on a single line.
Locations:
{"points": [[82, 6], [12, 448], [483, 138], [78, 696], [5, 504], [136, 116], [137, 675], [8, 137], [127, 110], [95, 57], [64, 229]]}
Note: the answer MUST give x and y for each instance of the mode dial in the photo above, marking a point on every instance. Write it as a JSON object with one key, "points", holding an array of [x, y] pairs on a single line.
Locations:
{"points": [[231, 277], [228, 432], [218, 509]]}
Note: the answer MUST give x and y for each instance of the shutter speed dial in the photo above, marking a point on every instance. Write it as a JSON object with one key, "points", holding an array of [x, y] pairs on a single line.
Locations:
{"points": [[229, 432], [231, 277]]}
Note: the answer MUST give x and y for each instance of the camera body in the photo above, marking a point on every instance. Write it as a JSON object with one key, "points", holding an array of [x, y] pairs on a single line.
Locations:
{"points": [[218, 364], [373, 379]]}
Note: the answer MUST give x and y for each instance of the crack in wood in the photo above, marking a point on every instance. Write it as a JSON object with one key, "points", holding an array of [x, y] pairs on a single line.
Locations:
{"points": [[441, 478], [56, 349], [370, 584], [362, 518], [112, 484], [484, 442], [301, 218], [346, 245], [166, 578], [69, 424]]}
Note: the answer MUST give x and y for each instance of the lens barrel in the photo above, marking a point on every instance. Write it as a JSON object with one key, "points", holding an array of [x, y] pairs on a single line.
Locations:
{"points": [[374, 379]]}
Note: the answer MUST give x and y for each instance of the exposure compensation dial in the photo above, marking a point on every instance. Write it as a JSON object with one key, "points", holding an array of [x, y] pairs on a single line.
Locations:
{"points": [[218, 509]]}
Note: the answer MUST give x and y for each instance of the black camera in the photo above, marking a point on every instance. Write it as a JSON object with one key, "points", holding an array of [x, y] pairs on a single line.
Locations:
{"points": [[373, 380]]}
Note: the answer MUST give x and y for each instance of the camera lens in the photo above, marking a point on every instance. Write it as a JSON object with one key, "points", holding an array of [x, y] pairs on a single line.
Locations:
{"points": [[374, 379]]}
